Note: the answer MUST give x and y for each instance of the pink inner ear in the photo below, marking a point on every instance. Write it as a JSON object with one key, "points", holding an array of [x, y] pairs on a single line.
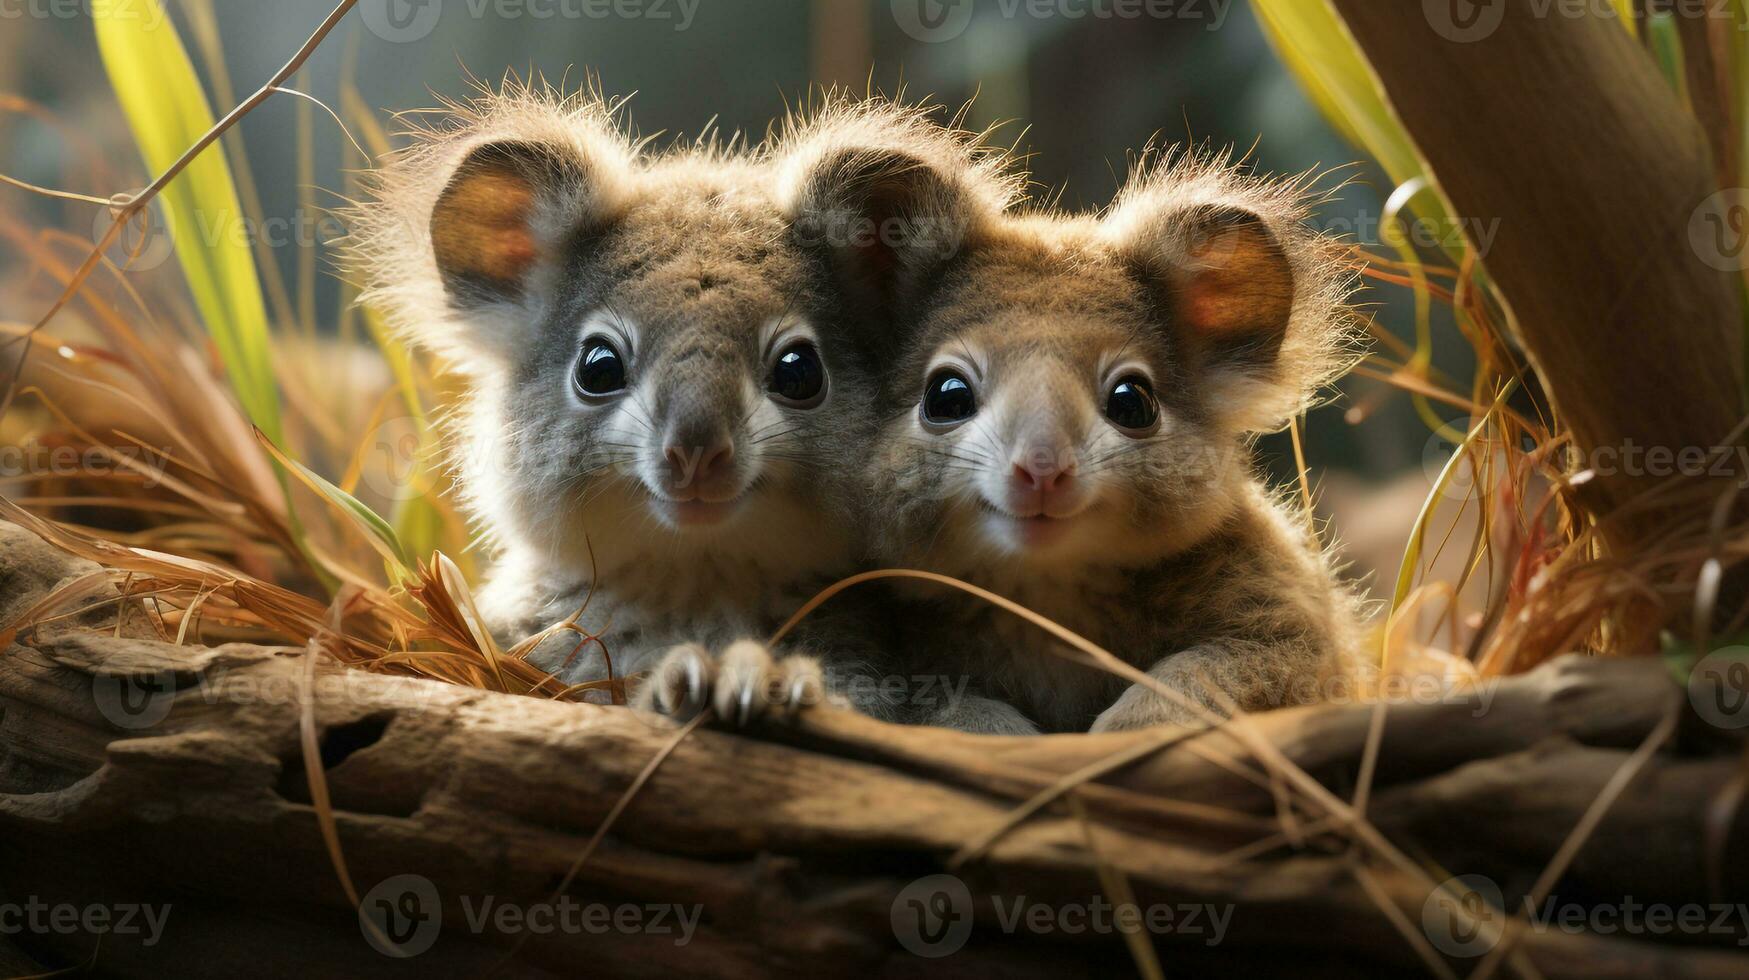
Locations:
{"points": [[1240, 283], [481, 229]]}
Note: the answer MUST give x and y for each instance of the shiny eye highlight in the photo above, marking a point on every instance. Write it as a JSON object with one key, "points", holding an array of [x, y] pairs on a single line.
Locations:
{"points": [[797, 376], [601, 370], [948, 398], [1131, 404]]}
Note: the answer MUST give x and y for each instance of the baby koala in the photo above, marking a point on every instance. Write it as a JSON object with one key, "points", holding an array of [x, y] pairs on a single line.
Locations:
{"points": [[1068, 426], [669, 377], [659, 382]]}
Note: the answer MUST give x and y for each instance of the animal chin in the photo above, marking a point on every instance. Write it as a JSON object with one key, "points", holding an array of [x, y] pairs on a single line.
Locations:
{"points": [[686, 514], [1037, 531]]}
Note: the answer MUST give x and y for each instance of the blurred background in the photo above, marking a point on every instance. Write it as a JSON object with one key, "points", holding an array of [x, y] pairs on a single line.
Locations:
{"points": [[1079, 84]]}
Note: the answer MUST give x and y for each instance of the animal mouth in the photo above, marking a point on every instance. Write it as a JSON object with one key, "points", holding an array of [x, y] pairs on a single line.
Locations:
{"points": [[695, 510], [1032, 530]]}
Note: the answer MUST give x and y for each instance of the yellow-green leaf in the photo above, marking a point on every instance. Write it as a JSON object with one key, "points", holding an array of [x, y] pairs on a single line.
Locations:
{"points": [[377, 531], [168, 113], [1317, 48], [1666, 43]]}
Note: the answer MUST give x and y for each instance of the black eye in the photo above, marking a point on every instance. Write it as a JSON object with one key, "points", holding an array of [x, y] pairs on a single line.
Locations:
{"points": [[601, 370], [798, 377], [948, 398], [1131, 404]]}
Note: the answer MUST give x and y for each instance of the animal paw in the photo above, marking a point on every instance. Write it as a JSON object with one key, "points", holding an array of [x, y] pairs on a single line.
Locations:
{"points": [[1143, 707], [743, 685]]}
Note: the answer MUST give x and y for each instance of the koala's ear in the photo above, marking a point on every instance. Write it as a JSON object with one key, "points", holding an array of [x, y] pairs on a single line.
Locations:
{"points": [[512, 205], [887, 218], [1234, 292], [1226, 286]]}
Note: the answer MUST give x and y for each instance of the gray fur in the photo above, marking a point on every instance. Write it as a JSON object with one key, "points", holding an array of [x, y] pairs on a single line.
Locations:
{"points": [[1180, 561]]}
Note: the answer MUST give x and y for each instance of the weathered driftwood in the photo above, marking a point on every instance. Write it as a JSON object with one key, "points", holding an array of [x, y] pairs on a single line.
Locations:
{"points": [[797, 841]]}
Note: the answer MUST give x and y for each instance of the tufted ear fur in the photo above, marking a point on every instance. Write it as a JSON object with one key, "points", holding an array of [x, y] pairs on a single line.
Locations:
{"points": [[1255, 299], [463, 228], [887, 220], [889, 195], [509, 205], [1232, 291]]}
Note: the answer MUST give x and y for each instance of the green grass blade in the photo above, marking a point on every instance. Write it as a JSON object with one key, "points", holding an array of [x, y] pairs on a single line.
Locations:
{"points": [[1412, 553], [1666, 44], [168, 112], [377, 531]]}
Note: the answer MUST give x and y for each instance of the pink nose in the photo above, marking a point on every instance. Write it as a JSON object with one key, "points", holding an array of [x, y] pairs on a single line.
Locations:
{"points": [[711, 459], [1044, 472]]}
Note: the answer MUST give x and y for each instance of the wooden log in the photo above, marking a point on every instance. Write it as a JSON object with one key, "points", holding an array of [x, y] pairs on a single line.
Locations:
{"points": [[802, 848]]}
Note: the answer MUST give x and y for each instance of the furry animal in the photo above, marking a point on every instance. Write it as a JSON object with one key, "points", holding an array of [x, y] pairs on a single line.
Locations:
{"points": [[1067, 425], [872, 193], [668, 365]]}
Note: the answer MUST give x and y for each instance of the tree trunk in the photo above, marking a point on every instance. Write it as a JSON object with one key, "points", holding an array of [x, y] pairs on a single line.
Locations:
{"points": [[1561, 129]]}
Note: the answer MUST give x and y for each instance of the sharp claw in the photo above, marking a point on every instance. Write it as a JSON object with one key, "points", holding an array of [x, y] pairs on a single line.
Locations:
{"points": [[695, 693], [744, 705]]}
